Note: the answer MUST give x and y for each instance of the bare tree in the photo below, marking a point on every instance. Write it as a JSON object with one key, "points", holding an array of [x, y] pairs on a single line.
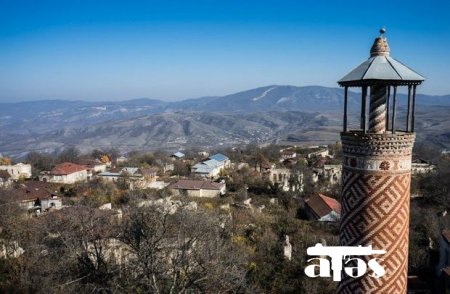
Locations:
{"points": [[180, 253]]}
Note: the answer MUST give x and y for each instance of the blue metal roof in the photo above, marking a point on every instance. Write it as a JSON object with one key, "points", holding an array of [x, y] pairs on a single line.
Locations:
{"points": [[178, 154], [219, 157], [207, 166]]}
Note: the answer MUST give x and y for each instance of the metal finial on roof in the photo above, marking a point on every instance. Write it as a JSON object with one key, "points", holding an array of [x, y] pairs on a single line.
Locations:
{"points": [[380, 47]]}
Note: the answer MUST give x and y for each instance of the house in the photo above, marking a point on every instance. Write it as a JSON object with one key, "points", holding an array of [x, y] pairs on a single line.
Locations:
{"points": [[322, 208], [178, 155], [37, 196], [94, 166], [318, 153], [5, 179], [223, 159], [121, 159], [330, 173], [165, 166], [66, 173], [285, 179], [197, 188], [420, 166], [287, 154], [132, 176], [17, 171], [209, 168], [121, 172]]}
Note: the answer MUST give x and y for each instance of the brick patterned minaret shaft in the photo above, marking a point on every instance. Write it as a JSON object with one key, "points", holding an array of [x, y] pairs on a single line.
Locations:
{"points": [[376, 191], [375, 205]]}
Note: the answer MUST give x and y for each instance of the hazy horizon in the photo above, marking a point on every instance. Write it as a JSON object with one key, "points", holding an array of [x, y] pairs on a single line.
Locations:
{"points": [[400, 91]]}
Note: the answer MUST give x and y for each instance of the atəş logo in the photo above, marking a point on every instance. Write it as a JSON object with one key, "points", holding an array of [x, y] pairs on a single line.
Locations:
{"points": [[338, 254]]}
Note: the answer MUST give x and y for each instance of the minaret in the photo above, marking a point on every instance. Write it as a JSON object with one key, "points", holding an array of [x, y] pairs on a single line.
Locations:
{"points": [[377, 170]]}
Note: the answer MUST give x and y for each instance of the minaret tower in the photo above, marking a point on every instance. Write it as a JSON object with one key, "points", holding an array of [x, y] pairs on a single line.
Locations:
{"points": [[377, 169]]}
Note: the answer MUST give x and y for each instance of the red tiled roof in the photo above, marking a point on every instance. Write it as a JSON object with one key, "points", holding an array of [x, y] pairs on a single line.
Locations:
{"points": [[195, 185], [446, 235], [332, 203], [323, 205], [66, 168]]}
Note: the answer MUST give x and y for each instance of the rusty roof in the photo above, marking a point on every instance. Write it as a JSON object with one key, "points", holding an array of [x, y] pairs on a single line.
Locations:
{"points": [[66, 168], [30, 190], [323, 205]]}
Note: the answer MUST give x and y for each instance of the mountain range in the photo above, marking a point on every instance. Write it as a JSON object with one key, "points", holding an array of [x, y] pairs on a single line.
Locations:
{"points": [[261, 115]]}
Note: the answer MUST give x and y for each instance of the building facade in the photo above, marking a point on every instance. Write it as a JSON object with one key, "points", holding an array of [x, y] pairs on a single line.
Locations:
{"points": [[17, 171], [66, 173], [197, 188]]}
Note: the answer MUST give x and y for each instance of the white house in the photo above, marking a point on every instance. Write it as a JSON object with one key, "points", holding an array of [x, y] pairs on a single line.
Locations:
{"points": [[133, 176], [287, 154], [197, 188], [211, 167], [422, 167], [320, 152], [18, 170], [117, 173], [285, 179], [223, 159], [66, 173], [331, 173]]}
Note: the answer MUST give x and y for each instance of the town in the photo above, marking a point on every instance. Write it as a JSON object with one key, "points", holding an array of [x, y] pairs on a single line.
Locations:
{"points": [[261, 206]]}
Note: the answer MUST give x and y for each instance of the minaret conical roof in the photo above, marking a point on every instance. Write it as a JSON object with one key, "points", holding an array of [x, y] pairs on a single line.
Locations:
{"points": [[380, 67]]}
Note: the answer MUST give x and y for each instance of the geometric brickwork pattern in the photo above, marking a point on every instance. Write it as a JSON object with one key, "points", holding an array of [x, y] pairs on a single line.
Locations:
{"points": [[359, 143], [375, 211]]}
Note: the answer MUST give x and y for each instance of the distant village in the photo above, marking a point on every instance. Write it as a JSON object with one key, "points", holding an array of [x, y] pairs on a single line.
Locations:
{"points": [[227, 180], [207, 176]]}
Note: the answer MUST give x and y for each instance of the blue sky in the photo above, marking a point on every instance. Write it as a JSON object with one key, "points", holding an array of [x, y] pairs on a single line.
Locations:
{"points": [[171, 50]]}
